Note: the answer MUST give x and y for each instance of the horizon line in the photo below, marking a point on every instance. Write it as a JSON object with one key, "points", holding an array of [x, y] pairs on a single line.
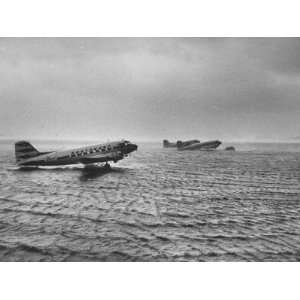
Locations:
{"points": [[14, 139]]}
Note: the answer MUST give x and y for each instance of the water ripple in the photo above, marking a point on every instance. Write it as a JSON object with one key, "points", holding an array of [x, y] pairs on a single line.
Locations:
{"points": [[157, 205]]}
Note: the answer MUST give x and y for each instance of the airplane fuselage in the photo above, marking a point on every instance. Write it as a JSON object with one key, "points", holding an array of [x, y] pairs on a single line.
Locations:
{"points": [[192, 145], [210, 145], [100, 153]]}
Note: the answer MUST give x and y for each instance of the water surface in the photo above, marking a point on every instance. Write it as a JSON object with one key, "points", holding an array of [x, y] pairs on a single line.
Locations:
{"points": [[157, 205]]}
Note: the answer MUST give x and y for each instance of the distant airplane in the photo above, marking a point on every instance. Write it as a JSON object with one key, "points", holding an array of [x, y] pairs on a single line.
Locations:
{"points": [[27, 155], [192, 145], [197, 145]]}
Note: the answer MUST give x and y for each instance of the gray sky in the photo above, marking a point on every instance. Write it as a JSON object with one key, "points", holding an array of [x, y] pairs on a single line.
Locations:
{"points": [[150, 88]]}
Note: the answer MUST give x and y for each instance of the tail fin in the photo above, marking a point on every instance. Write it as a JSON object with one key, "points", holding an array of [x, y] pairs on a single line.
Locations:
{"points": [[179, 144], [166, 143], [24, 150]]}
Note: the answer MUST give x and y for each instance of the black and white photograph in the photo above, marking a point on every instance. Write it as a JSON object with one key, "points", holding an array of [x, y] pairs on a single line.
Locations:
{"points": [[150, 149]]}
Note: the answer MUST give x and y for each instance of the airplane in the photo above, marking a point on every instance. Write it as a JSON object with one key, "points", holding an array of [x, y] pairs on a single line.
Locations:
{"points": [[197, 145], [27, 155], [192, 145]]}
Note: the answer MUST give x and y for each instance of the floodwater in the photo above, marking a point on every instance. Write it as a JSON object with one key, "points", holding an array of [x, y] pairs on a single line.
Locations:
{"points": [[156, 205]]}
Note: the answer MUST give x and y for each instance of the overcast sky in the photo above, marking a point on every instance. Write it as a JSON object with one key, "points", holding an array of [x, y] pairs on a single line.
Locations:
{"points": [[150, 88]]}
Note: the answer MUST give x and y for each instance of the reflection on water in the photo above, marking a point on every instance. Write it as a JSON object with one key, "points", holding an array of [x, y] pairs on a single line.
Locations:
{"points": [[157, 205], [92, 172], [85, 172]]}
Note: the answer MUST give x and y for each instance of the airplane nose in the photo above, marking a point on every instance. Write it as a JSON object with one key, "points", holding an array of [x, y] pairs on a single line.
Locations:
{"points": [[130, 148]]}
